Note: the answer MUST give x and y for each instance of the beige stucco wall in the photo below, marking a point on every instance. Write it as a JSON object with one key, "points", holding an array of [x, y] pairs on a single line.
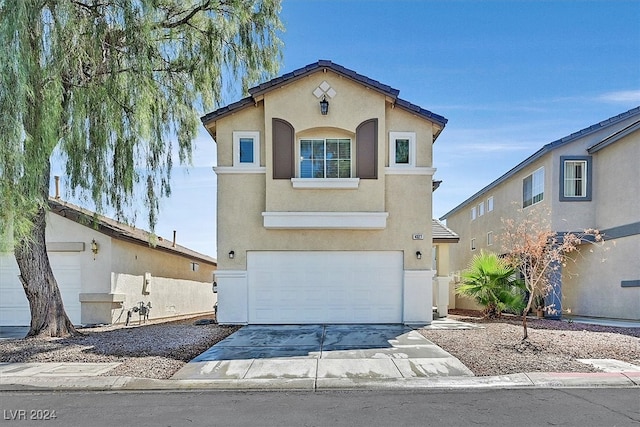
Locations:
{"points": [[616, 183], [167, 297], [242, 198], [592, 285], [138, 259]]}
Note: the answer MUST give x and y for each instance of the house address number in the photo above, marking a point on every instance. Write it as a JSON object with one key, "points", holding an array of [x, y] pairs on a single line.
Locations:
{"points": [[419, 236]]}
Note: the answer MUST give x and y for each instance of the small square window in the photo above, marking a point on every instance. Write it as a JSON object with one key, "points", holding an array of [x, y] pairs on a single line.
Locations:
{"points": [[402, 149], [246, 149], [490, 238]]}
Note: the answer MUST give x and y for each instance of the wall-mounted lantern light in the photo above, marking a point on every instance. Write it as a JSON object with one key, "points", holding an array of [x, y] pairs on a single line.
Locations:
{"points": [[232, 254], [324, 106], [94, 248], [418, 254]]}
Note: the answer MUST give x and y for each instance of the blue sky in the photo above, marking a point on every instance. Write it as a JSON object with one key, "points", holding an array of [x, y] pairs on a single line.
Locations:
{"points": [[510, 76]]}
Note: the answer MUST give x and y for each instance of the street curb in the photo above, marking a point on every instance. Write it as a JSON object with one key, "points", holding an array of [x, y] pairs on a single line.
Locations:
{"points": [[538, 380]]}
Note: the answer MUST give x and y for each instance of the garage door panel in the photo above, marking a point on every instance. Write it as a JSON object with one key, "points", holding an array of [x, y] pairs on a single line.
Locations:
{"points": [[325, 287], [14, 306]]}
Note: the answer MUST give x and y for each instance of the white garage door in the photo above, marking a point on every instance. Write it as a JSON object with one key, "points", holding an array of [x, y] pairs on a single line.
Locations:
{"points": [[14, 307], [325, 287]]}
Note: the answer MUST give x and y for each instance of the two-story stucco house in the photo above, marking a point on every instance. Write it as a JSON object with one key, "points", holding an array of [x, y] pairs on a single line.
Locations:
{"points": [[587, 180], [324, 202]]}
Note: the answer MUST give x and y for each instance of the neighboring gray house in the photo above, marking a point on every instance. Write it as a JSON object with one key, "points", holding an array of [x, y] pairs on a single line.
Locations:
{"points": [[587, 180], [105, 268]]}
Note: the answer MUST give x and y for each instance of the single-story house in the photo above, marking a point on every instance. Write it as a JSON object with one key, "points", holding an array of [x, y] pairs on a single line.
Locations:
{"points": [[107, 270]]}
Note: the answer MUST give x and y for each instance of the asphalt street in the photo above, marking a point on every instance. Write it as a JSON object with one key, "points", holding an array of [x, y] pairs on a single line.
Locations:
{"points": [[522, 407]]}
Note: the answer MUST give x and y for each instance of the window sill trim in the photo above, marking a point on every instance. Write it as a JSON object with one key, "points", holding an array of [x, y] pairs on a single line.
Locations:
{"points": [[326, 183]]}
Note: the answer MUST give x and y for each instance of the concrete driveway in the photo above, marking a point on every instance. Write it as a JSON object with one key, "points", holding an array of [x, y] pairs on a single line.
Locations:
{"points": [[323, 353]]}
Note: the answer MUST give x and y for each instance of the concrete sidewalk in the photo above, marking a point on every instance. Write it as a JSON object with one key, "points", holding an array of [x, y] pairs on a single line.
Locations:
{"points": [[87, 377]]}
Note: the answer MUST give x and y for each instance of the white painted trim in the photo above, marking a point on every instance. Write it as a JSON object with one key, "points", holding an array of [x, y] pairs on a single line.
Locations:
{"points": [[230, 274], [326, 220], [221, 170], [325, 183], [409, 171], [418, 297]]}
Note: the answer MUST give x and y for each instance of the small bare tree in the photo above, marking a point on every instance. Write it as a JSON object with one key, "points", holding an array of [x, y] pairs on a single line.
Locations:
{"points": [[539, 253]]}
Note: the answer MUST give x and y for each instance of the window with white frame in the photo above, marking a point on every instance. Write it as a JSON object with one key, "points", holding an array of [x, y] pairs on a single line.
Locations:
{"points": [[473, 244], [402, 149], [533, 188], [481, 209], [246, 149], [325, 158], [473, 213], [490, 238], [575, 175], [490, 204]]}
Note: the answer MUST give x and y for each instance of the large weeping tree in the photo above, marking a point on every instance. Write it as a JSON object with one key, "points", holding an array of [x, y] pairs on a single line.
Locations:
{"points": [[115, 87]]}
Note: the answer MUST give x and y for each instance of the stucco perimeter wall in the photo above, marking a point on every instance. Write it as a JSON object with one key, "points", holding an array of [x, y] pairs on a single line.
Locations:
{"points": [[592, 286], [168, 297]]}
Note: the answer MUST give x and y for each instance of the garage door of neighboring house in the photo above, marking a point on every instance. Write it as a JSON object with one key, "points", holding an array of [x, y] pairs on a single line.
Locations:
{"points": [[14, 307], [325, 287]]}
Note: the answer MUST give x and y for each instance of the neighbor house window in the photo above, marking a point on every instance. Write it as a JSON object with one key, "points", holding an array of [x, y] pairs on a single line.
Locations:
{"points": [[473, 244], [246, 149], [325, 158], [481, 209], [473, 213], [490, 204], [490, 238], [533, 188], [402, 149], [575, 175]]}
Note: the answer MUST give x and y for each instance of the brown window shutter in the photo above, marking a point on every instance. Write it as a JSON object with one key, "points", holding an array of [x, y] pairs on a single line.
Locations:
{"points": [[367, 150], [283, 150]]}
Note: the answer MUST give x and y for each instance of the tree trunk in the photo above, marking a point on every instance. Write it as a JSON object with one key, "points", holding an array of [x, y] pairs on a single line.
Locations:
{"points": [[48, 318], [524, 325]]}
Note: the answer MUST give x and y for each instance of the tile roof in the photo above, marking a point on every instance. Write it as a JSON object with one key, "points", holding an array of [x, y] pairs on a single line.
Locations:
{"points": [[546, 149], [120, 231], [442, 234], [311, 68]]}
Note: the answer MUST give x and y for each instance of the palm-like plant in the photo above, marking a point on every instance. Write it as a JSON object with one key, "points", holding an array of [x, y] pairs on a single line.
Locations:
{"points": [[492, 283]]}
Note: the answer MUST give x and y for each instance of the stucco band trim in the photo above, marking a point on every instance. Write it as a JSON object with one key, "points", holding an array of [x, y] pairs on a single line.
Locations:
{"points": [[409, 171], [326, 220], [228, 169]]}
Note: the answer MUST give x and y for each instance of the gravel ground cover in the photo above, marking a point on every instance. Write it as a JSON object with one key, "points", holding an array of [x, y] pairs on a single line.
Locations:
{"points": [[158, 350], [553, 346]]}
